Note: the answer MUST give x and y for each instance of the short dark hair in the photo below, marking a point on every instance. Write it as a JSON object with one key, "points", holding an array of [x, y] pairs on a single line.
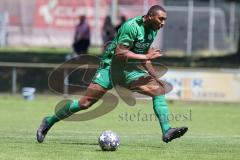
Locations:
{"points": [[154, 9]]}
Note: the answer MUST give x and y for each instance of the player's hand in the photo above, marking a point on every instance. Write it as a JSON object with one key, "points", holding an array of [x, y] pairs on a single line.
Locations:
{"points": [[153, 53]]}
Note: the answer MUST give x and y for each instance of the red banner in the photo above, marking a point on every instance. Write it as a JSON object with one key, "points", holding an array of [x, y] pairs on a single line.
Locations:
{"points": [[62, 14]]}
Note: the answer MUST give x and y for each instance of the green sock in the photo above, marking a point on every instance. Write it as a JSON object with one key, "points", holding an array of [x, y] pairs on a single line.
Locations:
{"points": [[68, 108], [160, 108]]}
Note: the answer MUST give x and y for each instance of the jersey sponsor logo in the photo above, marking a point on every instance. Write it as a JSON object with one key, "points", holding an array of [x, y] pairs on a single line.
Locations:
{"points": [[142, 45]]}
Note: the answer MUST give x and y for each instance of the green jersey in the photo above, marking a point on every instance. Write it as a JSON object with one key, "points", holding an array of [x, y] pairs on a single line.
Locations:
{"points": [[132, 34]]}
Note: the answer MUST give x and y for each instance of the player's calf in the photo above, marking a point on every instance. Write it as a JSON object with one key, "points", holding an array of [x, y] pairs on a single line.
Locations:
{"points": [[66, 109]]}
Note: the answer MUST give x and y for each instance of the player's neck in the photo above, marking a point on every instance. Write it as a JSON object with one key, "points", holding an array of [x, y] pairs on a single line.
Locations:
{"points": [[145, 21]]}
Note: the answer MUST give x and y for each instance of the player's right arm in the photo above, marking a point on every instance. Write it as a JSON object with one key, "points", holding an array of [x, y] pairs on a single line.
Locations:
{"points": [[123, 52]]}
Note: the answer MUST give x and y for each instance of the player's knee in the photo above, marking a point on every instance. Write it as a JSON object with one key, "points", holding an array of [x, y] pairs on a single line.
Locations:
{"points": [[156, 91], [85, 104]]}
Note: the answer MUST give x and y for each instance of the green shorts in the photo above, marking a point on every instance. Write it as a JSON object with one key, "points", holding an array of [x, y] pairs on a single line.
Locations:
{"points": [[129, 74]]}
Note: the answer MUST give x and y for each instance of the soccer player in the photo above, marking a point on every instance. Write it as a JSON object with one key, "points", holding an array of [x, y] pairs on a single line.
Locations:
{"points": [[132, 43]]}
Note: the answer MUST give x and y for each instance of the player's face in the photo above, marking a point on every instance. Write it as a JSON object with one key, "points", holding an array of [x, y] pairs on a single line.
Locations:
{"points": [[158, 20]]}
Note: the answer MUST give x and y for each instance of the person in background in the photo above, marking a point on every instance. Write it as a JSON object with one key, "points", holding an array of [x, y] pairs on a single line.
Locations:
{"points": [[122, 20], [81, 40], [108, 31]]}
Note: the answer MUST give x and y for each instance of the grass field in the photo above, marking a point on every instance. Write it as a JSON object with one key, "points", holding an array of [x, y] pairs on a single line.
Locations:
{"points": [[93, 50], [214, 132]]}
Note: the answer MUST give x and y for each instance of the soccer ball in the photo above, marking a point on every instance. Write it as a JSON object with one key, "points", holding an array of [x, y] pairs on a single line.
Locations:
{"points": [[108, 141]]}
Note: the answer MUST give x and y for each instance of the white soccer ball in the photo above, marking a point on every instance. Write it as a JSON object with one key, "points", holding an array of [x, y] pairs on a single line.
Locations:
{"points": [[108, 141]]}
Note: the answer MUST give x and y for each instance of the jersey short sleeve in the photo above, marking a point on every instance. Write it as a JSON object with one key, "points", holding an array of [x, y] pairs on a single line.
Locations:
{"points": [[127, 35]]}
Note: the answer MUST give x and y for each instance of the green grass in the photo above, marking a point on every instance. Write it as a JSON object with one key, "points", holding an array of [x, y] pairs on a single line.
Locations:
{"points": [[214, 132], [93, 50], [20, 49]]}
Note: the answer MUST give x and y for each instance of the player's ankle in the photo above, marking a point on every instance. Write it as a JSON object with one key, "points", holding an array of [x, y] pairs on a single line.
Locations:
{"points": [[51, 120]]}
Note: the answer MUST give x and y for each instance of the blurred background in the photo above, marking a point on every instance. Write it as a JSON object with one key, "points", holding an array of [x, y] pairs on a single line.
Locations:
{"points": [[200, 42]]}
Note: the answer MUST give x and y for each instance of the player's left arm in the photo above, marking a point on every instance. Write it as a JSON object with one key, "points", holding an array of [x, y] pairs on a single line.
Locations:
{"points": [[150, 69]]}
